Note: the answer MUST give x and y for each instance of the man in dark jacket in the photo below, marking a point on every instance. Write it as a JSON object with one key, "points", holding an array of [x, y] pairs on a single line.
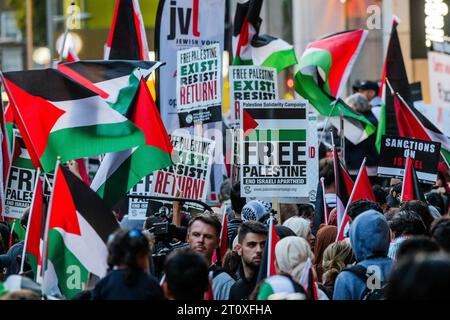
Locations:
{"points": [[252, 237]]}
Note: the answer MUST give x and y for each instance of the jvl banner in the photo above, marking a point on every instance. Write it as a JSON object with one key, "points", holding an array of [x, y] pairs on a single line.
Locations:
{"points": [[274, 149], [21, 180], [439, 74], [394, 151], [191, 173], [199, 93], [180, 25], [251, 83]]}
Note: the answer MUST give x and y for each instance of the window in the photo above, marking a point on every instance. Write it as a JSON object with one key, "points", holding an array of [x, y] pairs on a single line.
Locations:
{"points": [[9, 27]]}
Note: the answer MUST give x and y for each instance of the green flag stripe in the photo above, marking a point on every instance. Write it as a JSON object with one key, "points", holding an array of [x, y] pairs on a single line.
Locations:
{"points": [[277, 135], [69, 270], [281, 60], [80, 142], [141, 163], [23, 163], [33, 262], [126, 96]]}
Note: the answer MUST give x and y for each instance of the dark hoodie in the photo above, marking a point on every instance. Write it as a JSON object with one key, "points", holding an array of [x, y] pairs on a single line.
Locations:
{"points": [[370, 238]]}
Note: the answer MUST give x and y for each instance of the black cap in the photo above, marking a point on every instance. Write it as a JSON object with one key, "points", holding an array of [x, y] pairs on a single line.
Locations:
{"points": [[366, 85]]}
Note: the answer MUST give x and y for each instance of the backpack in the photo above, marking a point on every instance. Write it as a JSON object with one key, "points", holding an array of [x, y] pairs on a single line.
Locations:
{"points": [[369, 294]]}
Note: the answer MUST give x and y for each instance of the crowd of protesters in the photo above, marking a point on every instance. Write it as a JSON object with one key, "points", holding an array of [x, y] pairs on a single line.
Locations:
{"points": [[391, 249]]}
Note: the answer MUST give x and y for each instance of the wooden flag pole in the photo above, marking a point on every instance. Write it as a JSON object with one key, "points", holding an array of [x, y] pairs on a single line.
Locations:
{"points": [[47, 223]]}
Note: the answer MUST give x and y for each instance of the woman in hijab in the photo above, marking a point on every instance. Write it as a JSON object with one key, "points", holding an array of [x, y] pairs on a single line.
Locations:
{"points": [[302, 228], [293, 255], [324, 237]]}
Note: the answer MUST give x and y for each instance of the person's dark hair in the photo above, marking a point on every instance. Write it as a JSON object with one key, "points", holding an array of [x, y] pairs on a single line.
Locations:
{"points": [[186, 274], [421, 209], [427, 277], [407, 222], [250, 227], [24, 217], [436, 200], [225, 190], [416, 245], [390, 214], [231, 262], [440, 232], [125, 248], [322, 151], [207, 218], [5, 234], [360, 206], [326, 170], [288, 210], [306, 210], [380, 194], [283, 232], [237, 202]]}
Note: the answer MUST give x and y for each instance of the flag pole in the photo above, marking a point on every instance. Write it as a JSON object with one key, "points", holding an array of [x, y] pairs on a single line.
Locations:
{"points": [[404, 175], [47, 222], [342, 136], [29, 221], [325, 211], [66, 31], [326, 124]]}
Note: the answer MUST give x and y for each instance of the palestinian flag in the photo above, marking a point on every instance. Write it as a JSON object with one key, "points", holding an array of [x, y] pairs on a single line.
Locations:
{"points": [[395, 72], [116, 81], [321, 77], [58, 117], [267, 267], [413, 124], [255, 122], [35, 231], [127, 39], [362, 190], [411, 187], [251, 48], [344, 184], [308, 281], [121, 171], [77, 229]]}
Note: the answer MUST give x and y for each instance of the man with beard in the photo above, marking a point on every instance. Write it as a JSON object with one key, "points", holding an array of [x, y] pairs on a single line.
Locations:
{"points": [[252, 237], [203, 237]]}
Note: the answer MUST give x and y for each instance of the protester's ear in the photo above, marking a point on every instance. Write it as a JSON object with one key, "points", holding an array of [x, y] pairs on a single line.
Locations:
{"points": [[239, 249]]}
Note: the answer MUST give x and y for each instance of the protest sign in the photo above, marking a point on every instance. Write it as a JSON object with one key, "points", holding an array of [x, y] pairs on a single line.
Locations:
{"points": [[439, 75], [190, 174], [395, 150], [273, 149], [21, 180], [137, 208], [180, 25], [250, 83], [199, 94]]}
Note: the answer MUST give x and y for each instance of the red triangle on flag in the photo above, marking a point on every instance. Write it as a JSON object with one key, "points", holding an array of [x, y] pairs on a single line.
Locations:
{"points": [[63, 213], [249, 124], [145, 116], [35, 117]]}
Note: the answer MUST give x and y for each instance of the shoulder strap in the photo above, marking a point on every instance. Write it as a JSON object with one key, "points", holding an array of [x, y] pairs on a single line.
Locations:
{"points": [[358, 271]]}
